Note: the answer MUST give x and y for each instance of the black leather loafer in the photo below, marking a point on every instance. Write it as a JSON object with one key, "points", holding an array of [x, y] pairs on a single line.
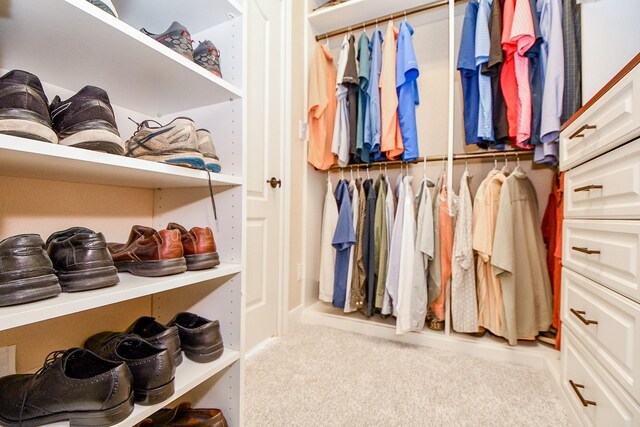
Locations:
{"points": [[152, 367], [73, 385], [200, 338]]}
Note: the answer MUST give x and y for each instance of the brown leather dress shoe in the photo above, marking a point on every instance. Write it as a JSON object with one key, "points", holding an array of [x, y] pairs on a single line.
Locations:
{"points": [[183, 416], [199, 247], [150, 253]]}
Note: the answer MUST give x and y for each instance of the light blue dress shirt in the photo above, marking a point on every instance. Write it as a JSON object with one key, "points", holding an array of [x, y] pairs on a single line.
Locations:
{"points": [[372, 120], [406, 75]]}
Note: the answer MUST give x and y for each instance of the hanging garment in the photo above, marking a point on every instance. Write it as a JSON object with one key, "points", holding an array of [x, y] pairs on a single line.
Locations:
{"points": [[434, 269], [380, 240], [369, 246], [412, 288], [363, 98], [445, 218], [519, 259], [482, 51], [535, 77], [340, 144], [464, 302], [322, 108], [355, 214], [372, 118], [343, 239], [352, 82], [492, 69], [390, 138], [406, 80], [557, 276], [469, 76], [572, 98], [490, 308], [327, 251], [549, 233], [522, 37], [553, 66], [424, 246], [508, 82], [393, 271], [358, 282]]}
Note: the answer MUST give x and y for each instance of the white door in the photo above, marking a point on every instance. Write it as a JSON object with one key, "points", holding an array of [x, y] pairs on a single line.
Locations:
{"points": [[265, 132]]}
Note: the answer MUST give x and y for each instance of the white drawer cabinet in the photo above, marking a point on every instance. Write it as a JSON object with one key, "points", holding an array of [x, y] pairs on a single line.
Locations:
{"points": [[595, 397], [611, 121], [607, 252], [608, 324], [607, 187]]}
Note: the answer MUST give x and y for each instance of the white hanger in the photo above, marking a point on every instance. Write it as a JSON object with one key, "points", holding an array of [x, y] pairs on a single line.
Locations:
{"points": [[351, 173], [368, 174]]}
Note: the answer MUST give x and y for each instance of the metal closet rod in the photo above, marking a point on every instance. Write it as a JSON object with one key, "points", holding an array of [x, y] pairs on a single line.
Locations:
{"points": [[470, 156], [376, 21]]}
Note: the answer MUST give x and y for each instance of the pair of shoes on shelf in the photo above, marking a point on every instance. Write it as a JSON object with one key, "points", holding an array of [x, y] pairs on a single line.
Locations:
{"points": [[184, 415], [74, 260], [105, 5], [85, 120], [178, 143], [175, 250], [178, 39]]}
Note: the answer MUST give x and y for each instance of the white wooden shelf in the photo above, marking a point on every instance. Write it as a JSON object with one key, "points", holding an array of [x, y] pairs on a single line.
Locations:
{"points": [[188, 376], [130, 287], [77, 44], [157, 15], [28, 158], [354, 12]]}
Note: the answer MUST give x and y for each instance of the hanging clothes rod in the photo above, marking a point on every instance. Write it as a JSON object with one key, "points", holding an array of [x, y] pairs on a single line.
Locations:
{"points": [[382, 19], [456, 157]]}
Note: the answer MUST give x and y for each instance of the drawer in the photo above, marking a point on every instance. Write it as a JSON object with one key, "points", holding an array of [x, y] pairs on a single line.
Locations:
{"points": [[606, 187], [603, 403], [608, 324], [607, 252], [611, 121]]}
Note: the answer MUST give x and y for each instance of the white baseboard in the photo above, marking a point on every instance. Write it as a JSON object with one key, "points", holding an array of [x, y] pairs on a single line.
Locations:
{"points": [[294, 318]]}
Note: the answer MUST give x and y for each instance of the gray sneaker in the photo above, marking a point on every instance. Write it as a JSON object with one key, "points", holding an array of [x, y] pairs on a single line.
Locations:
{"points": [[207, 56], [176, 143], [205, 146], [105, 5], [176, 38]]}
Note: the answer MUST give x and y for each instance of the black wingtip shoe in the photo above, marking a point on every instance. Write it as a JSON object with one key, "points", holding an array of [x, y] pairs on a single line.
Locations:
{"points": [[200, 338], [152, 367], [26, 272], [73, 385]]}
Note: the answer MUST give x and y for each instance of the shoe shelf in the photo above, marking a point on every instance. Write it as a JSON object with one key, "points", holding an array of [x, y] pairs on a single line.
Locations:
{"points": [[130, 287], [188, 376], [26, 158], [196, 15], [75, 43], [354, 12]]}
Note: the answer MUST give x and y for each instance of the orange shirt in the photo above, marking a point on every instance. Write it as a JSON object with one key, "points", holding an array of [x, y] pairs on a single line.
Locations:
{"points": [[391, 138], [322, 108], [446, 251]]}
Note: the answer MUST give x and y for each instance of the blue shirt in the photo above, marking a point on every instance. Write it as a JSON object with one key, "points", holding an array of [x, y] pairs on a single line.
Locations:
{"points": [[469, 75], [406, 75], [343, 238], [482, 47], [363, 97], [372, 120]]}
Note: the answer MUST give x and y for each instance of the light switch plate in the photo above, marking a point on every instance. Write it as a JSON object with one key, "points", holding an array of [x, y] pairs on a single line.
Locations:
{"points": [[7, 360]]}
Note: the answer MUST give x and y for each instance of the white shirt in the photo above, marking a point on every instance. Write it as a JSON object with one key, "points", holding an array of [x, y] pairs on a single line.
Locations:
{"points": [[390, 206], [327, 251], [464, 302], [340, 142], [353, 189]]}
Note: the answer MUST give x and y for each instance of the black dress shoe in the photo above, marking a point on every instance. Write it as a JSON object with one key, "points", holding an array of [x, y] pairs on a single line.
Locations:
{"points": [[74, 385], [26, 272], [152, 367], [199, 337], [81, 259], [156, 334]]}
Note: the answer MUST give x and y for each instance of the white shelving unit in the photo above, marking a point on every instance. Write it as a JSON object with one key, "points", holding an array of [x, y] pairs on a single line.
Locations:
{"points": [[69, 44]]}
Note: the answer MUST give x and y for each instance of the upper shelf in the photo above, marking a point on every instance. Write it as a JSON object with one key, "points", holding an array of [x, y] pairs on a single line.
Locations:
{"points": [[157, 15], [354, 12], [26, 158], [77, 44]]}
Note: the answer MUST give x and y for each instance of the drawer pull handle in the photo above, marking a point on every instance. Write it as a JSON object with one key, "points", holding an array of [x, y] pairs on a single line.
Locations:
{"points": [[578, 133], [585, 251], [580, 315], [584, 401], [588, 188]]}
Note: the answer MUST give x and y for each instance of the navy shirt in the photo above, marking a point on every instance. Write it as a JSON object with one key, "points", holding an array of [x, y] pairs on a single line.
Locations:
{"points": [[343, 239]]}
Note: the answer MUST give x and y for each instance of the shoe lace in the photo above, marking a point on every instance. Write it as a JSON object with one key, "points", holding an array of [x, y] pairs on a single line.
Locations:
{"points": [[213, 200], [49, 361]]}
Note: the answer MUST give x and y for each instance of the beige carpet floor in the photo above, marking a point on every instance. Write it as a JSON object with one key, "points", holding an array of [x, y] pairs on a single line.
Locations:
{"points": [[317, 376]]}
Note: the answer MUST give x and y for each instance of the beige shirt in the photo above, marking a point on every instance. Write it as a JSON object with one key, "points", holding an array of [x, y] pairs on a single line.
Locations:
{"points": [[519, 257]]}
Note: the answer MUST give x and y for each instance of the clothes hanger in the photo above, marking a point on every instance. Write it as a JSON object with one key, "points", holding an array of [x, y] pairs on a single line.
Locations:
{"points": [[342, 173], [326, 41], [368, 174], [505, 170], [351, 173], [430, 183]]}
